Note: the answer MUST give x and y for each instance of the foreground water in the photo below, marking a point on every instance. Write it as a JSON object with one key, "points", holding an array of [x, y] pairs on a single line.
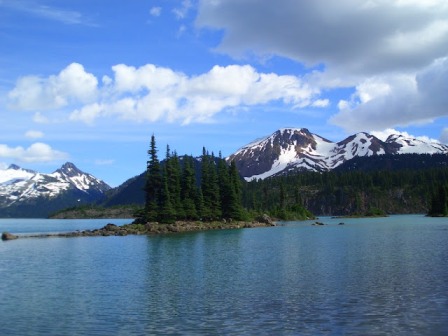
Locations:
{"points": [[384, 276]]}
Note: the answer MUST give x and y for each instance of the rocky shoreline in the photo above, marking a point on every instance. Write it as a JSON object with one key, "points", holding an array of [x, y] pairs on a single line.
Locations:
{"points": [[151, 229]]}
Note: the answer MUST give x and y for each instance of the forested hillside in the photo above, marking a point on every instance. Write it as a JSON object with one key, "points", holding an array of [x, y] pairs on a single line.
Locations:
{"points": [[395, 162], [387, 184], [383, 184]]}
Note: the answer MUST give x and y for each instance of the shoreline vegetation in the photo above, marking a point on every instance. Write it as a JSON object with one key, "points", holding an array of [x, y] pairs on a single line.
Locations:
{"points": [[96, 212]]}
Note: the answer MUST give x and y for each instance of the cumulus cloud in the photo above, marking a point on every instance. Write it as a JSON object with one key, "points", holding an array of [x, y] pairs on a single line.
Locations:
{"points": [[393, 53], [87, 113], [396, 100], [72, 84], [321, 103], [151, 93], [37, 152], [347, 36]]}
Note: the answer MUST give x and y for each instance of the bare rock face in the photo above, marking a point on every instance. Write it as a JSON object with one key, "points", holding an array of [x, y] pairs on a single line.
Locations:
{"points": [[265, 219], [8, 236]]}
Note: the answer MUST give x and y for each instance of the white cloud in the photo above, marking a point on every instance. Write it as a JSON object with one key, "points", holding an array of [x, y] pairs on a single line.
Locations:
{"points": [[87, 113], [38, 118], [34, 134], [347, 36], [37, 152], [147, 77], [321, 103], [155, 11], [393, 53], [151, 93], [397, 100], [444, 136], [383, 135], [72, 84], [182, 11]]}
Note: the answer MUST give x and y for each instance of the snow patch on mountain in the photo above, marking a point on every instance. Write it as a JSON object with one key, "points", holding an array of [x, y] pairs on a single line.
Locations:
{"points": [[290, 149], [20, 185], [413, 145]]}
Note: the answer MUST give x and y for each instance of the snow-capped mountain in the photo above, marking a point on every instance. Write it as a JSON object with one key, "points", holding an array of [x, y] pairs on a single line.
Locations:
{"points": [[67, 186], [295, 149]]}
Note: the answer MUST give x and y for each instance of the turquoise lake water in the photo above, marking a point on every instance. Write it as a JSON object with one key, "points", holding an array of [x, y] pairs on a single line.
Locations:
{"points": [[382, 276]]}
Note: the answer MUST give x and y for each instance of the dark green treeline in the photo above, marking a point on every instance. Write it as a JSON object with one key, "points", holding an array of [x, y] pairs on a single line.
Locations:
{"points": [[439, 202], [353, 192], [172, 191]]}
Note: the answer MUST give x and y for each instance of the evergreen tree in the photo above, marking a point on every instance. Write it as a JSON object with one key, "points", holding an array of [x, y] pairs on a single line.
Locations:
{"points": [[173, 178], [199, 202], [206, 186], [189, 190], [153, 183], [210, 188], [235, 199], [225, 189], [166, 213], [213, 190]]}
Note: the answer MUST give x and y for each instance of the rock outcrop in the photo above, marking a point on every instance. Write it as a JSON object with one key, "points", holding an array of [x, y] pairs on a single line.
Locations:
{"points": [[8, 236]]}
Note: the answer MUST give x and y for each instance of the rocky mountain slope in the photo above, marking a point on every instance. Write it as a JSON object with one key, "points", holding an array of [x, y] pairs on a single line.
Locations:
{"points": [[296, 149], [25, 193]]}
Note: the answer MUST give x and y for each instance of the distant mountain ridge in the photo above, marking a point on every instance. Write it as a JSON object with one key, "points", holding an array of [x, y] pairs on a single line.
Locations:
{"points": [[27, 193], [297, 149]]}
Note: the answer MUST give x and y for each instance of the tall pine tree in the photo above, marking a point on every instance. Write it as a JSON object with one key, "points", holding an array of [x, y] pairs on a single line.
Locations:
{"points": [[210, 187], [153, 183], [189, 190], [166, 212], [173, 177], [235, 207]]}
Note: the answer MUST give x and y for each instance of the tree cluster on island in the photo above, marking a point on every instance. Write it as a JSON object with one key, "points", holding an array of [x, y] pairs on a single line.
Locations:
{"points": [[173, 193]]}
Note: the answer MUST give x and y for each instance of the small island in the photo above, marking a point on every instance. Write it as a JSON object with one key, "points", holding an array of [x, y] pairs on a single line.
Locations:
{"points": [[153, 228], [183, 197], [180, 194]]}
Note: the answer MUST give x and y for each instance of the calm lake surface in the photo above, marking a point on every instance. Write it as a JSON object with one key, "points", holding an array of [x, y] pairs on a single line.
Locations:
{"points": [[383, 276]]}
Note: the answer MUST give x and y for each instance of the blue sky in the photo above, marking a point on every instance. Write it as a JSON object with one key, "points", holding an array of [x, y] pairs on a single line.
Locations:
{"points": [[90, 81]]}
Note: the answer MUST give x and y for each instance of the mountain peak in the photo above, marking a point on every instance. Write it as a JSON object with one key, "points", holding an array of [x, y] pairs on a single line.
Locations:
{"points": [[14, 167], [69, 169], [297, 149], [69, 165], [25, 191]]}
